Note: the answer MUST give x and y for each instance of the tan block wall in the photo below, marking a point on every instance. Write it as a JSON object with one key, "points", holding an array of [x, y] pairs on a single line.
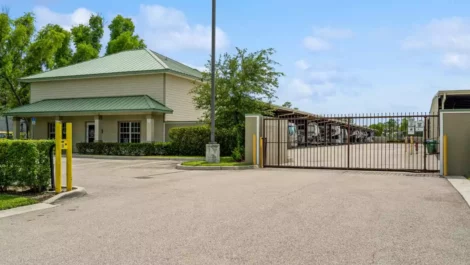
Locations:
{"points": [[151, 85], [457, 128], [179, 100], [252, 127]]}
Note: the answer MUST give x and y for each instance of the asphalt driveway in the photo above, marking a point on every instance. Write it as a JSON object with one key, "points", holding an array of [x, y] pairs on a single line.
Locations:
{"points": [[146, 212]]}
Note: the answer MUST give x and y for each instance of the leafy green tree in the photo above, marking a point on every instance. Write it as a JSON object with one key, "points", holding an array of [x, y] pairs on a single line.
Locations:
{"points": [[21, 54], [50, 49], [244, 82], [87, 39], [122, 36], [378, 127], [287, 105]]}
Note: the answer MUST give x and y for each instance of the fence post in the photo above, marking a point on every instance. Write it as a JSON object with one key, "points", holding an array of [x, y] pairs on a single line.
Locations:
{"points": [[278, 142], [349, 137], [424, 143]]}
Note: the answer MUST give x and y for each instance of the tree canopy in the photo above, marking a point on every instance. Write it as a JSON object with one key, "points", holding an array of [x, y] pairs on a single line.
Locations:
{"points": [[22, 54], [287, 104], [245, 83], [87, 39], [122, 36], [23, 51]]}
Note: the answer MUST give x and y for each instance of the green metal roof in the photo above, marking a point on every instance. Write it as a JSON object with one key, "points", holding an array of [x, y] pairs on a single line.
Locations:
{"points": [[91, 105], [123, 63]]}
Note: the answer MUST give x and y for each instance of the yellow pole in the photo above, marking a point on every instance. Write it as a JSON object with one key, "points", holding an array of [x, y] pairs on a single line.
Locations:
{"points": [[58, 157], [254, 149], [69, 156], [445, 155], [261, 153]]}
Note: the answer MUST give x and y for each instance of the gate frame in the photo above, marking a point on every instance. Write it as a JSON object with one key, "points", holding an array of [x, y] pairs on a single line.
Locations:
{"points": [[436, 117]]}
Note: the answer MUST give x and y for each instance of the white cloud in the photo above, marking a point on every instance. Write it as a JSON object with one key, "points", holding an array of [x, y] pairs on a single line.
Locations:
{"points": [[316, 44], [456, 60], [333, 33], [302, 65], [320, 40], [448, 37], [46, 16], [442, 34], [168, 29]]}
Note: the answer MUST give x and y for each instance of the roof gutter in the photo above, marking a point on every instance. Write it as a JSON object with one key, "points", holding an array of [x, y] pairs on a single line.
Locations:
{"points": [[75, 77]]}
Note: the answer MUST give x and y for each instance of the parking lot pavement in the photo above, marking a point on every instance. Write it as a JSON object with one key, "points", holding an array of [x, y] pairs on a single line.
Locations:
{"points": [[146, 212]]}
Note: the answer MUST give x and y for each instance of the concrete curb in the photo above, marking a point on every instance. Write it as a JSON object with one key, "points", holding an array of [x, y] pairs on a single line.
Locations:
{"points": [[136, 157], [25, 209], [181, 167], [75, 192], [462, 185], [49, 203]]}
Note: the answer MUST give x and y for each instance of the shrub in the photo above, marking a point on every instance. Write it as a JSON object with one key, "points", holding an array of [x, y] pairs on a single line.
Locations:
{"points": [[185, 141], [125, 149], [25, 163], [238, 154], [192, 141]]}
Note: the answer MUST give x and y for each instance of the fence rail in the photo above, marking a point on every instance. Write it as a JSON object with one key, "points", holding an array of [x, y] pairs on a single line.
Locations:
{"points": [[390, 142]]}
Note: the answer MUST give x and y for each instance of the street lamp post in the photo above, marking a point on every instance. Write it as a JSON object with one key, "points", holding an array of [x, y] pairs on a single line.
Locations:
{"points": [[213, 74], [213, 149]]}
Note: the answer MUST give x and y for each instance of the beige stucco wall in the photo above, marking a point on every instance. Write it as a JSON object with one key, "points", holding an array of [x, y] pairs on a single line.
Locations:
{"points": [[109, 127], [457, 128], [179, 99], [253, 127], [78, 127], [151, 85], [159, 119]]}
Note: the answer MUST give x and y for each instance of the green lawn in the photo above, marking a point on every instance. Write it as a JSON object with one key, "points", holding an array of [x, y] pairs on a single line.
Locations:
{"points": [[8, 201], [224, 162]]}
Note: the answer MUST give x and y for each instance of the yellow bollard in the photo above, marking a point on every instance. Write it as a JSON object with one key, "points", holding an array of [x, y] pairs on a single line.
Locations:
{"points": [[254, 149], [69, 156], [58, 157], [445, 155], [261, 153]]}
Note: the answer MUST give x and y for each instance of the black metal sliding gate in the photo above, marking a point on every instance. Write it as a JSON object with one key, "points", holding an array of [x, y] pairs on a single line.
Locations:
{"points": [[388, 142]]}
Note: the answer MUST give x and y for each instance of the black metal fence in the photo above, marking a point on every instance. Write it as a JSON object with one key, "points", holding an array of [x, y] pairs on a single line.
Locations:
{"points": [[391, 142]]}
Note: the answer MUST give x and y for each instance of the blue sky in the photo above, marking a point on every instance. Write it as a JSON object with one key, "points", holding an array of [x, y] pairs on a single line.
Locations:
{"points": [[338, 56]]}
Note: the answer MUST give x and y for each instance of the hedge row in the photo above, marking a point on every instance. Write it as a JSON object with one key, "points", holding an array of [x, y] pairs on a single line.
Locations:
{"points": [[25, 163], [191, 141], [185, 141], [125, 149]]}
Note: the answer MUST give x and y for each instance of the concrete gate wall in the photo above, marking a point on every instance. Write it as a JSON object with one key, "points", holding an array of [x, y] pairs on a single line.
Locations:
{"points": [[456, 125]]}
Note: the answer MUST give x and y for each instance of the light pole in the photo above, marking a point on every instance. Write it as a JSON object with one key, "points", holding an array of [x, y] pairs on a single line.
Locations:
{"points": [[213, 75], [213, 149]]}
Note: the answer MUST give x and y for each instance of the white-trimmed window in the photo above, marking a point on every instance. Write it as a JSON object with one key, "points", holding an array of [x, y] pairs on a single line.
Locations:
{"points": [[129, 132], [51, 130]]}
